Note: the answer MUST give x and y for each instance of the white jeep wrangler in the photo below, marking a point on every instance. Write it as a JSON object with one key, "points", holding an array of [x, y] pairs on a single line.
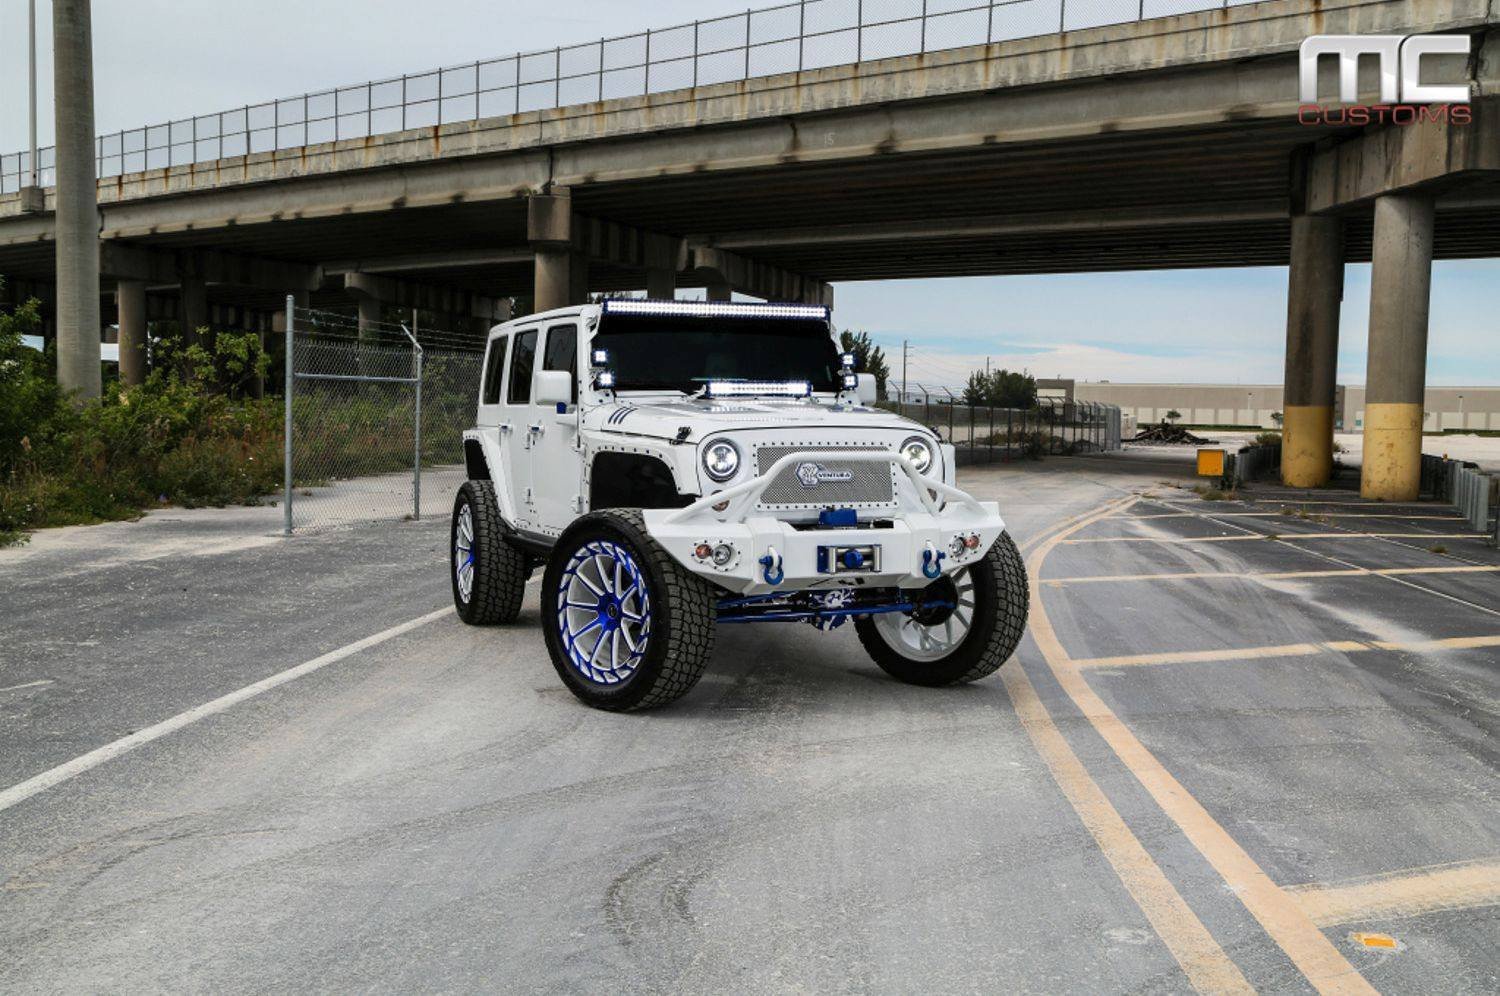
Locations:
{"points": [[680, 465]]}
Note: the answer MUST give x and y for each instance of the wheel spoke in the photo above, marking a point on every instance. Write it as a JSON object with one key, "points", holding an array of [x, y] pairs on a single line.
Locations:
{"points": [[601, 573], [597, 645], [614, 650], [578, 573]]}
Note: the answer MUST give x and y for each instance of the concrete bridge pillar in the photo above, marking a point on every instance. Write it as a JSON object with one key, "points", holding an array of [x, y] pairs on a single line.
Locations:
{"points": [[1315, 291], [194, 307], [369, 315], [130, 300], [661, 283], [549, 229], [662, 260], [1396, 371]]}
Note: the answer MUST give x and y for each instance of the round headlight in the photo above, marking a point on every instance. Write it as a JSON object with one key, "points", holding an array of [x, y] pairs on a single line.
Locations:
{"points": [[919, 452], [721, 459]]}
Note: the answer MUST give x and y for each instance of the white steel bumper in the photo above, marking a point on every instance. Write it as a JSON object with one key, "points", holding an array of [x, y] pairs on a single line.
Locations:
{"points": [[770, 554]]}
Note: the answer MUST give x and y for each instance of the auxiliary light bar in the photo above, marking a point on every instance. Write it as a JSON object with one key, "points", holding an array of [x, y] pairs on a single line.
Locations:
{"points": [[751, 388], [620, 306]]}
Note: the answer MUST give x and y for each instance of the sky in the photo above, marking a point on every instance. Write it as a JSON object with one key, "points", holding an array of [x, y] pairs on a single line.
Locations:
{"points": [[157, 60]]}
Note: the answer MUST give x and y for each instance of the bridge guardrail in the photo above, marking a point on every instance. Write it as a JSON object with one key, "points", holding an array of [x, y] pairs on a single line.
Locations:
{"points": [[788, 37], [1467, 488]]}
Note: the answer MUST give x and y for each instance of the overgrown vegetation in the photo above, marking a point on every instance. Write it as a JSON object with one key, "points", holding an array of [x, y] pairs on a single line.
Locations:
{"points": [[188, 436], [193, 434]]}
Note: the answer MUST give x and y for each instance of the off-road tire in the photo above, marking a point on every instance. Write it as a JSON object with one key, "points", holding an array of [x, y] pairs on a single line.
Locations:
{"points": [[1002, 600], [683, 614], [500, 569]]}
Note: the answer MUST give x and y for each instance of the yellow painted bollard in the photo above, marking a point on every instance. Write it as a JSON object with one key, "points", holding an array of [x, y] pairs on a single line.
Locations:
{"points": [[1211, 463]]}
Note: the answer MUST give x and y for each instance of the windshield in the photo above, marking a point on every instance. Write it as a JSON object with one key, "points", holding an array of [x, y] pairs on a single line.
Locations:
{"points": [[684, 353]]}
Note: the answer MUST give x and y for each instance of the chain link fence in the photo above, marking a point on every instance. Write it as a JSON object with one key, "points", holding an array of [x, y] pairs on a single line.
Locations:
{"points": [[375, 416], [992, 434]]}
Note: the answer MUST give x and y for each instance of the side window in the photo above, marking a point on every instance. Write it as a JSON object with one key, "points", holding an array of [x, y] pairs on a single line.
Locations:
{"points": [[562, 353], [494, 371], [522, 359]]}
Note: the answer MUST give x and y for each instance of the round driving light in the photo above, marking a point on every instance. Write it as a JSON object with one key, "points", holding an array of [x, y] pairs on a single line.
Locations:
{"points": [[721, 506], [721, 459], [703, 551], [972, 542], [919, 452], [723, 554], [957, 546]]}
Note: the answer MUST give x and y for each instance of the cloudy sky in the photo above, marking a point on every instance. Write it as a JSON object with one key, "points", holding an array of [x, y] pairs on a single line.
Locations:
{"points": [[157, 60]]}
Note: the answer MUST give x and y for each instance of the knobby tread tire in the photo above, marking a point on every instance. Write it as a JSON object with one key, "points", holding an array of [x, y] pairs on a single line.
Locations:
{"points": [[500, 570], [684, 614], [990, 643]]}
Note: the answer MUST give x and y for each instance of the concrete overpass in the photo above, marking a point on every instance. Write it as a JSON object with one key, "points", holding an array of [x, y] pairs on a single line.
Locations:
{"points": [[1165, 143]]}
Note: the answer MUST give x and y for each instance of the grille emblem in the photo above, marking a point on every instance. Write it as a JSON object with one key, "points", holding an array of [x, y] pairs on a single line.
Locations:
{"points": [[810, 475]]}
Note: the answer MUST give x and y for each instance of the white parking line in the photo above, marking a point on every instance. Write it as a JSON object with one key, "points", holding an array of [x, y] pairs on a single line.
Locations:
{"points": [[47, 779]]}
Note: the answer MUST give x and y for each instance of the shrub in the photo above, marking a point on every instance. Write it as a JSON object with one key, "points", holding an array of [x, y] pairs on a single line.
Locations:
{"points": [[176, 439]]}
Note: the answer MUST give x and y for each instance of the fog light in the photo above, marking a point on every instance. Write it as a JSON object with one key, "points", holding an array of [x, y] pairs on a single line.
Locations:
{"points": [[972, 542], [703, 551], [957, 546], [721, 506], [723, 554]]}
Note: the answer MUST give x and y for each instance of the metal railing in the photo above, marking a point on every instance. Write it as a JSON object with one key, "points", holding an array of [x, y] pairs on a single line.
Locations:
{"points": [[789, 37], [982, 433]]}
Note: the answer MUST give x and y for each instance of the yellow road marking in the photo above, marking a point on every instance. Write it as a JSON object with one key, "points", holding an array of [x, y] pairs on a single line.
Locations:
{"points": [[1286, 650], [1374, 940], [1459, 886], [1276, 911], [1208, 968], [1287, 537], [1274, 575]]}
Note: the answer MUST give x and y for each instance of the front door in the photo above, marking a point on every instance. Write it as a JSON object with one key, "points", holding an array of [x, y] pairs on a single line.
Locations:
{"points": [[556, 464]]}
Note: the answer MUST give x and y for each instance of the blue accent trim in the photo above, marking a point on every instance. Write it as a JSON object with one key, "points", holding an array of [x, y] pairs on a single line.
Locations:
{"points": [[932, 566], [838, 518], [766, 563], [603, 604]]}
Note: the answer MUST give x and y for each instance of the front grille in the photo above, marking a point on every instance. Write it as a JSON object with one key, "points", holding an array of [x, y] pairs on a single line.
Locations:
{"points": [[868, 484]]}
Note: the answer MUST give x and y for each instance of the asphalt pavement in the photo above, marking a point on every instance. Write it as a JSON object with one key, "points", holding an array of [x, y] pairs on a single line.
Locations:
{"points": [[1248, 744]]}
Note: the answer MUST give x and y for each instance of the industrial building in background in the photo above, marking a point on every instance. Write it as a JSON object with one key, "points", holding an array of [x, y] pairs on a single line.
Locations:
{"points": [[1444, 409]]}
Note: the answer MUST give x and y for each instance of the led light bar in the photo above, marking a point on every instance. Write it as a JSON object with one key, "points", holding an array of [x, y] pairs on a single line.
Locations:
{"points": [[751, 388], [625, 306]]}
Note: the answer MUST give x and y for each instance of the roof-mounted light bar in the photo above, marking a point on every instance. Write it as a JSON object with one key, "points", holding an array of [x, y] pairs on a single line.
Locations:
{"points": [[702, 309], [759, 388]]}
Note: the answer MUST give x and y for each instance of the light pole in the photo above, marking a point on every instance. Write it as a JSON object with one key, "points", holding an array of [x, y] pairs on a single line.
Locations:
{"points": [[36, 173], [76, 193]]}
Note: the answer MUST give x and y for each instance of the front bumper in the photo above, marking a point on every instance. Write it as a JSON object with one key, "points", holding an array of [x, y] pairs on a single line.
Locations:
{"points": [[905, 549]]}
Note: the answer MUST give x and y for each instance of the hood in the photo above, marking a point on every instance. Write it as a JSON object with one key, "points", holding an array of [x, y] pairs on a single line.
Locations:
{"points": [[663, 418]]}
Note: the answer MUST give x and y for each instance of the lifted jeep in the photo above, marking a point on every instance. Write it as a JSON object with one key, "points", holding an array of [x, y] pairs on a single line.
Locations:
{"points": [[680, 465]]}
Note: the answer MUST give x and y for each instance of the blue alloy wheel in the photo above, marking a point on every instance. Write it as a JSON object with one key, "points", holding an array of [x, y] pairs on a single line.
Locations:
{"points": [[604, 612]]}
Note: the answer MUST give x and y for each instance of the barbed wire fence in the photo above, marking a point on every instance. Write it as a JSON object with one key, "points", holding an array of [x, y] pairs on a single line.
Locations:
{"points": [[374, 419]]}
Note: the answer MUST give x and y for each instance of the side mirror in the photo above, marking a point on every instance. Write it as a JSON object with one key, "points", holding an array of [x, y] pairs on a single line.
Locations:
{"points": [[551, 387], [867, 391]]}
